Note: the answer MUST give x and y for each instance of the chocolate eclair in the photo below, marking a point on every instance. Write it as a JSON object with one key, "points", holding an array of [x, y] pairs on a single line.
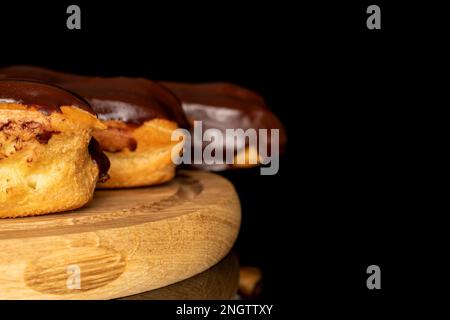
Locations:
{"points": [[140, 116], [225, 106], [48, 159]]}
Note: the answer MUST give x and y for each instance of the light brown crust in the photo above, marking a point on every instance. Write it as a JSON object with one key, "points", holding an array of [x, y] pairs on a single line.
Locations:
{"points": [[148, 162], [45, 165]]}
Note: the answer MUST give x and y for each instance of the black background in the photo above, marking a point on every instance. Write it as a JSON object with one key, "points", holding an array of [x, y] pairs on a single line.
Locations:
{"points": [[345, 196]]}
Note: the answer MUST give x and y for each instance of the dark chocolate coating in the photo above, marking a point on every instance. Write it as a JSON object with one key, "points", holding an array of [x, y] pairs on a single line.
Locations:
{"points": [[100, 159], [45, 98], [226, 106], [37, 73], [131, 100]]}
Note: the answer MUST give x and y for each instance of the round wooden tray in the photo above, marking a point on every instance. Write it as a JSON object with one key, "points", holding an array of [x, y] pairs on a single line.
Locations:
{"points": [[125, 242]]}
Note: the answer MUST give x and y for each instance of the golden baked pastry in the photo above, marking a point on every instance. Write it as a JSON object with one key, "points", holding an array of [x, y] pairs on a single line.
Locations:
{"points": [[140, 155], [48, 161]]}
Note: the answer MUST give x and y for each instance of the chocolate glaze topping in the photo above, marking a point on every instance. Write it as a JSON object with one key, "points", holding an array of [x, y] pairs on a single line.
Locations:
{"points": [[45, 98], [100, 159], [37, 73], [132, 100]]}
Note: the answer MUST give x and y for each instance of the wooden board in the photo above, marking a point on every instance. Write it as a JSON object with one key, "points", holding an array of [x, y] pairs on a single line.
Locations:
{"points": [[125, 242], [219, 282]]}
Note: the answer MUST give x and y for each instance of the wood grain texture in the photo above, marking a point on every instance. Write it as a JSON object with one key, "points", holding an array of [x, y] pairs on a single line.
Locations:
{"points": [[219, 282], [125, 242]]}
